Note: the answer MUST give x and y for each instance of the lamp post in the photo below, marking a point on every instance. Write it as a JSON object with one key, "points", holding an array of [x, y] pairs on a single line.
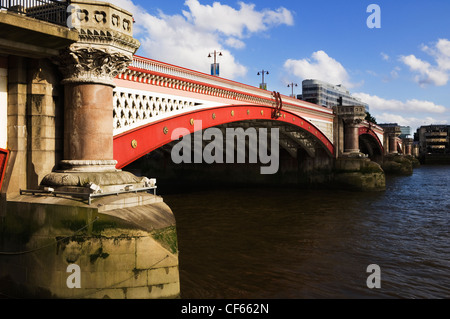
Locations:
{"points": [[292, 86], [215, 66], [263, 85]]}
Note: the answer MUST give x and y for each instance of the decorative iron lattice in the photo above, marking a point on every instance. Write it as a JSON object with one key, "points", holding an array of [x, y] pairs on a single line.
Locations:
{"points": [[134, 109]]}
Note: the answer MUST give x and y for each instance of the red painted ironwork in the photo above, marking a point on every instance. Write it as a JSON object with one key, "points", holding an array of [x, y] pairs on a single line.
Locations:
{"points": [[276, 113], [157, 134], [368, 131], [4, 154]]}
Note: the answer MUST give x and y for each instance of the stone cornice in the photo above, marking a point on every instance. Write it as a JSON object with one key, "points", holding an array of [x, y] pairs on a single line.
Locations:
{"points": [[105, 46]]}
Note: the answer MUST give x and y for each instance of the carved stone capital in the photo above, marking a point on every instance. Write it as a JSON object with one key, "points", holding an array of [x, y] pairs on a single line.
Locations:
{"points": [[352, 114], [105, 46], [353, 121], [89, 64]]}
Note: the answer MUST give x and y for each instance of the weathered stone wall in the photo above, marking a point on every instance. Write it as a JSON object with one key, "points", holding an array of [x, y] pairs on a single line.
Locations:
{"points": [[359, 174], [44, 120], [396, 164], [16, 173], [34, 122], [125, 247]]}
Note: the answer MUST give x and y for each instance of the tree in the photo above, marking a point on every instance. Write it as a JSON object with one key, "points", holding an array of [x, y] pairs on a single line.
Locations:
{"points": [[370, 118]]}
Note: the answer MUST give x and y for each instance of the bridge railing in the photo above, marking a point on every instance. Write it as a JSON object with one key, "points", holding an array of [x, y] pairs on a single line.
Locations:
{"points": [[46, 10], [172, 70], [214, 81]]}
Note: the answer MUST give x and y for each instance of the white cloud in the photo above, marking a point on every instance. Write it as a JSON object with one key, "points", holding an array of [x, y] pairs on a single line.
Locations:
{"points": [[185, 39], [384, 56], [438, 74], [441, 53], [233, 22], [394, 72], [320, 67], [413, 122], [235, 43], [377, 103]]}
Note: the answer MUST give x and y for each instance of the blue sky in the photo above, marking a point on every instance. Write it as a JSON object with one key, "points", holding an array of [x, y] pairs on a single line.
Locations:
{"points": [[401, 69]]}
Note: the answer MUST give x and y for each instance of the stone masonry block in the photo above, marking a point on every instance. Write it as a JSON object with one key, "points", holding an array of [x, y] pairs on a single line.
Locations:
{"points": [[119, 245], [17, 104], [17, 88], [163, 275], [42, 144], [118, 293], [100, 279], [154, 292], [41, 88], [150, 254], [171, 290], [119, 262]]}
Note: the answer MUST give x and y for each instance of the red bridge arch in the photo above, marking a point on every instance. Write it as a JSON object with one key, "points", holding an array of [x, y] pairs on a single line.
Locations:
{"points": [[135, 143], [369, 131]]}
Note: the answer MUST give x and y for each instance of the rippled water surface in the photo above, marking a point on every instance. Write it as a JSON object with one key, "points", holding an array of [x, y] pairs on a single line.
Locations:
{"points": [[292, 243]]}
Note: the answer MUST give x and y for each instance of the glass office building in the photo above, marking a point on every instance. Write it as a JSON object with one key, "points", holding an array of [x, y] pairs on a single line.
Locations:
{"points": [[328, 95], [406, 132]]}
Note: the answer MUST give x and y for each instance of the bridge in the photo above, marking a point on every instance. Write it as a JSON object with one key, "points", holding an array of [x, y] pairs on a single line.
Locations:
{"points": [[152, 98], [78, 106]]}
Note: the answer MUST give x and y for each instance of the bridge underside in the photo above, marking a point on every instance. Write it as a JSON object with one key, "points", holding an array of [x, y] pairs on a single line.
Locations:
{"points": [[295, 131], [371, 146]]}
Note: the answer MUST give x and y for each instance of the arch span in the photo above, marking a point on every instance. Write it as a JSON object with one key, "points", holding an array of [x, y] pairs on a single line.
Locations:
{"points": [[134, 144], [371, 137]]}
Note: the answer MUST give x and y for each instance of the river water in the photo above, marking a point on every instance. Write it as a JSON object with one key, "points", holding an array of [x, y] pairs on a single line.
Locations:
{"points": [[261, 243]]}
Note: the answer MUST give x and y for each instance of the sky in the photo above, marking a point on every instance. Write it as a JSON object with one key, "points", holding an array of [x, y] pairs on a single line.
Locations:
{"points": [[395, 57]]}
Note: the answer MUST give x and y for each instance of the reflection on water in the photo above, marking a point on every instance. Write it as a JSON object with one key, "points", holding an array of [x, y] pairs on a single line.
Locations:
{"points": [[292, 243]]}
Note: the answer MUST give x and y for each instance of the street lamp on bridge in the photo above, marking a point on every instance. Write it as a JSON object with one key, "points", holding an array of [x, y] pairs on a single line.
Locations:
{"points": [[263, 85], [292, 86], [215, 66]]}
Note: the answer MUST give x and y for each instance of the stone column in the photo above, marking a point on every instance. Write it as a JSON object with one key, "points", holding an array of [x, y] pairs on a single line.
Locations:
{"points": [[393, 144], [105, 48], [351, 116], [351, 136], [408, 143], [88, 110], [391, 133]]}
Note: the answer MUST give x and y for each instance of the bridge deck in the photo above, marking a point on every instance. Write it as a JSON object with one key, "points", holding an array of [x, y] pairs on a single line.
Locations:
{"points": [[150, 91]]}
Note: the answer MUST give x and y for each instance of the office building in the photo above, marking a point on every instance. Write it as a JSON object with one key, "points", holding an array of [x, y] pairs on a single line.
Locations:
{"points": [[434, 139], [328, 95], [406, 132]]}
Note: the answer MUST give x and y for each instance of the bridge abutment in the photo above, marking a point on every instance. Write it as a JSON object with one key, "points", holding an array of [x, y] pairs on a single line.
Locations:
{"points": [[80, 210], [124, 247]]}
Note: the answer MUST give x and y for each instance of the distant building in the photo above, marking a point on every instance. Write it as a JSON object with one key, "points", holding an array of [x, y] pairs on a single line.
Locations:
{"points": [[434, 139], [327, 94], [406, 131]]}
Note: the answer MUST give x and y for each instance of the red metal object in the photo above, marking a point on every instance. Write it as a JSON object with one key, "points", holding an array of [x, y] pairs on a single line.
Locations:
{"points": [[4, 155], [132, 145], [276, 113]]}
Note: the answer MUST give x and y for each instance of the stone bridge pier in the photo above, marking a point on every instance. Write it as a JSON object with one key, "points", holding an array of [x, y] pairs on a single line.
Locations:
{"points": [[408, 145], [354, 169], [86, 218], [398, 158]]}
